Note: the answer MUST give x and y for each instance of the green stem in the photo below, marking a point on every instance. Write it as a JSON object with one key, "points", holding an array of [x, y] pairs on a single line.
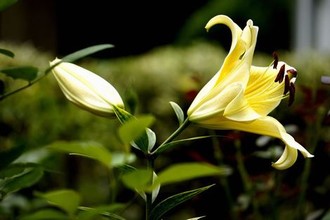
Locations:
{"points": [[150, 166], [26, 86], [151, 160], [178, 131]]}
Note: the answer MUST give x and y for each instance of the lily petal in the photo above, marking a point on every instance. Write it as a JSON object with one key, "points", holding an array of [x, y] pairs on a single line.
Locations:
{"points": [[241, 50], [236, 65], [264, 126], [215, 103], [239, 109]]}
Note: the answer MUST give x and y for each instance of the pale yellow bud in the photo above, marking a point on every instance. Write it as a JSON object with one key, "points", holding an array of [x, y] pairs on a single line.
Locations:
{"points": [[86, 89]]}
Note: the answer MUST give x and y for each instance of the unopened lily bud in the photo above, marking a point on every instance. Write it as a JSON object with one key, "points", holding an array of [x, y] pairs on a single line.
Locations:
{"points": [[86, 89]]}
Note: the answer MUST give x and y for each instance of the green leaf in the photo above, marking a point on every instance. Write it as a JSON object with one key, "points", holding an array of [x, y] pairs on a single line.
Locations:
{"points": [[88, 149], [28, 73], [178, 111], [174, 143], [134, 128], [4, 4], [4, 51], [106, 211], [169, 203], [137, 179], [85, 52], [120, 159], [126, 168], [14, 170], [45, 214], [81, 54], [186, 171], [20, 176], [66, 199], [9, 155]]}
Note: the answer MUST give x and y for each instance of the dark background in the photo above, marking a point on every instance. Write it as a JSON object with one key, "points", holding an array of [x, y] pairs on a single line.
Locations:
{"points": [[134, 27]]}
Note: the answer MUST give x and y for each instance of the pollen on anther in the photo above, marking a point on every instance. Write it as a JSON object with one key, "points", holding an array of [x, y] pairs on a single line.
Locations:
{"points": [[275, 56], [286, 84], [280, 75], [292, 92], [293, 72]]}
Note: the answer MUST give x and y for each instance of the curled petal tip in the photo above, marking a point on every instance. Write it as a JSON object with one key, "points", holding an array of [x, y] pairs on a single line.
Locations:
{"points": [[219, 19], [287, 159], [309, 155]]}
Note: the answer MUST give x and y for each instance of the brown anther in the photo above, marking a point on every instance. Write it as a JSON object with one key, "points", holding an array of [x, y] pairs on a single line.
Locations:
{"points": [[293, 72], [280, 75], [275, 56], [286, 84], [292, 92]]}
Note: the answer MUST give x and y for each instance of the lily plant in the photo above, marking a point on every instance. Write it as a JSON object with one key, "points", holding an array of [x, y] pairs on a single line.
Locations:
{"points": [[240, 96]]}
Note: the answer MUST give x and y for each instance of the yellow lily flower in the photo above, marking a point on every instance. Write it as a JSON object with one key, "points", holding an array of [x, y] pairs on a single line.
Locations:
{"points": [[86, 89], [240, 96]]}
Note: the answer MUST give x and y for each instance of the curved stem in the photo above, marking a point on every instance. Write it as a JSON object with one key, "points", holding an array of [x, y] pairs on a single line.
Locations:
{"points": [[151, 160]]}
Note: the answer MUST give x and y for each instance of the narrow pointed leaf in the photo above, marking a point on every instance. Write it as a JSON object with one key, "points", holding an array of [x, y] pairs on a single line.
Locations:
{"points": [[178, 112], [25, 177], [88, 149], [4, 51], [28, 73], [85, 52], [187, 171], [177, 142], [106, 211], [171, 202], [67, 200], [81, 54]]}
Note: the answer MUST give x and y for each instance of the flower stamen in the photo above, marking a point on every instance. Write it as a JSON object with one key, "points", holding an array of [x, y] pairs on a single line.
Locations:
{"points": [[275, 56], [292, 75], [292, 92], [280, 75], [286, 84]]}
